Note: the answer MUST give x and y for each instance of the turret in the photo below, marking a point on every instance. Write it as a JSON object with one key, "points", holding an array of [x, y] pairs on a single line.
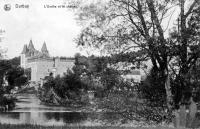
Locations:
{"points": [[23, 56], [30, 46], [44, 49], [25, 49]]}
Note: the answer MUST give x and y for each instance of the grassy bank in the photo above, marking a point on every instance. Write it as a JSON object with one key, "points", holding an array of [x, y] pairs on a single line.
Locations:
{"points": [[6, 126]]}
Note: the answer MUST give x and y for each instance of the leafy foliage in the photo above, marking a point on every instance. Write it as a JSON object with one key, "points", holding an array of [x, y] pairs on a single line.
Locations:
{"points": [[95, 73], [15, 61], [126, 28], [9, 70], [110, 78], [152, 89], [67, 87], [15, 76], [126, 102]]}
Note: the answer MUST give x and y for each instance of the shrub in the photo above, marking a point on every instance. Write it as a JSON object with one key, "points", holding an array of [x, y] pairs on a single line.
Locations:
{"points": [[68, 88], [143, 101]]}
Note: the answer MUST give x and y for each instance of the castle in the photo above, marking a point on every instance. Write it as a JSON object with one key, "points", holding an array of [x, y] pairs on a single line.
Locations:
{"points": [[41, 64]]}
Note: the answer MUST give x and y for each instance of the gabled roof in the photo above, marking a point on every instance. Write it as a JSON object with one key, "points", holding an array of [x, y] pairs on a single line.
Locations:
{"points": [[25, 49]]}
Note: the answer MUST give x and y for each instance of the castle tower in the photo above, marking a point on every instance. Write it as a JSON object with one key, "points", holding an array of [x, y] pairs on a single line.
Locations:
{"points": [[23, 56], [31, 48], [41, 64], [44, 49]]}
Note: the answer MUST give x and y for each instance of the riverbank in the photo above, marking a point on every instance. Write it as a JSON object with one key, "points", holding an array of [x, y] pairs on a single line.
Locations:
{"points": [[7, 126], [7, 102]]}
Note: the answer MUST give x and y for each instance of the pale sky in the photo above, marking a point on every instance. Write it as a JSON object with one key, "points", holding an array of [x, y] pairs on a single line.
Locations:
{"points": [[56, 26]]}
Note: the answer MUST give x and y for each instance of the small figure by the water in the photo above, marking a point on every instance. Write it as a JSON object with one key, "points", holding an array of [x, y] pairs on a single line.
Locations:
{"points": [[192, 113], [177, 118], [184, 119], [183, 115]]}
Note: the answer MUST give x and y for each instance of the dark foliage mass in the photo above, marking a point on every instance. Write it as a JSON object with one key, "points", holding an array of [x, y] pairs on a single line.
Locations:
{"points": [[67, 87], [153, 90], [15, 76], [110, 78], [88, 74], [10, 71], [15, 61]]}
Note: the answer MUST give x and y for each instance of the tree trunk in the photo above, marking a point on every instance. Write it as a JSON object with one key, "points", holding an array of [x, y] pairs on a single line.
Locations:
{"points": [[177, 119], [168, 93]]}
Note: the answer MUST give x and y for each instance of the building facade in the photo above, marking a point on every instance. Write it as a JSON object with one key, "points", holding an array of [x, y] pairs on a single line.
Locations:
{"points": [[41, 64], [128, 71]]}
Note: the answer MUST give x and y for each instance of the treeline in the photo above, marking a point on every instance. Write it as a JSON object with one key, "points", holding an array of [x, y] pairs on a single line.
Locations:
{"points": [[144, 101], [88, 74], [11, 75]]}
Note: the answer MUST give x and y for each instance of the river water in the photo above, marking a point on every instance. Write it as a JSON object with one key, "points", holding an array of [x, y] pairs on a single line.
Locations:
{"points": [[29, 110]]}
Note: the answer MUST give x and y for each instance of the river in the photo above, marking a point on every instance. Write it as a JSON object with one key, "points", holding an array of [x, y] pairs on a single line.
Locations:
{"points": [[29, 110]]}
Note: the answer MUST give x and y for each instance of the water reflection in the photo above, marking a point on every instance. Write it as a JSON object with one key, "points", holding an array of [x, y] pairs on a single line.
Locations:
{"points": [[55, 118], [29, 110]]}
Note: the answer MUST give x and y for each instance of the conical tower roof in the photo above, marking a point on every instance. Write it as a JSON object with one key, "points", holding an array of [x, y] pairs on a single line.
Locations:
{"points": [[44, 48], [25, 49], [30, 46]]}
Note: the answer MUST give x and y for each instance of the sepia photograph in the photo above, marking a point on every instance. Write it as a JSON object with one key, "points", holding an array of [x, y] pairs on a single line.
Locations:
{"points": [[99, 64]]}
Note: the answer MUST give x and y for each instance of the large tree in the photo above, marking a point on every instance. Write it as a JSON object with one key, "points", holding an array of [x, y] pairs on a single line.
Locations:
{"points": [[141, 30]]}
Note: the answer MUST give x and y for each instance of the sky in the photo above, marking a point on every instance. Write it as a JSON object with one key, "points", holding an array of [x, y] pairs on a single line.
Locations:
{"points": [[55, 26]]}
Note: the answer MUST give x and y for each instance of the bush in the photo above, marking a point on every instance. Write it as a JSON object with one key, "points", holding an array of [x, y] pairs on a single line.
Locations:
{"points": [[68, 88], [110, 78], [20, 81], [152, 89], [143, 102], [122, 101], [10, 101]]}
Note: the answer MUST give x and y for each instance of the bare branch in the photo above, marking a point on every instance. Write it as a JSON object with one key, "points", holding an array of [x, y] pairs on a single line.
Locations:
{"points": [[191, 8], [155, 18], [169, 20]]}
